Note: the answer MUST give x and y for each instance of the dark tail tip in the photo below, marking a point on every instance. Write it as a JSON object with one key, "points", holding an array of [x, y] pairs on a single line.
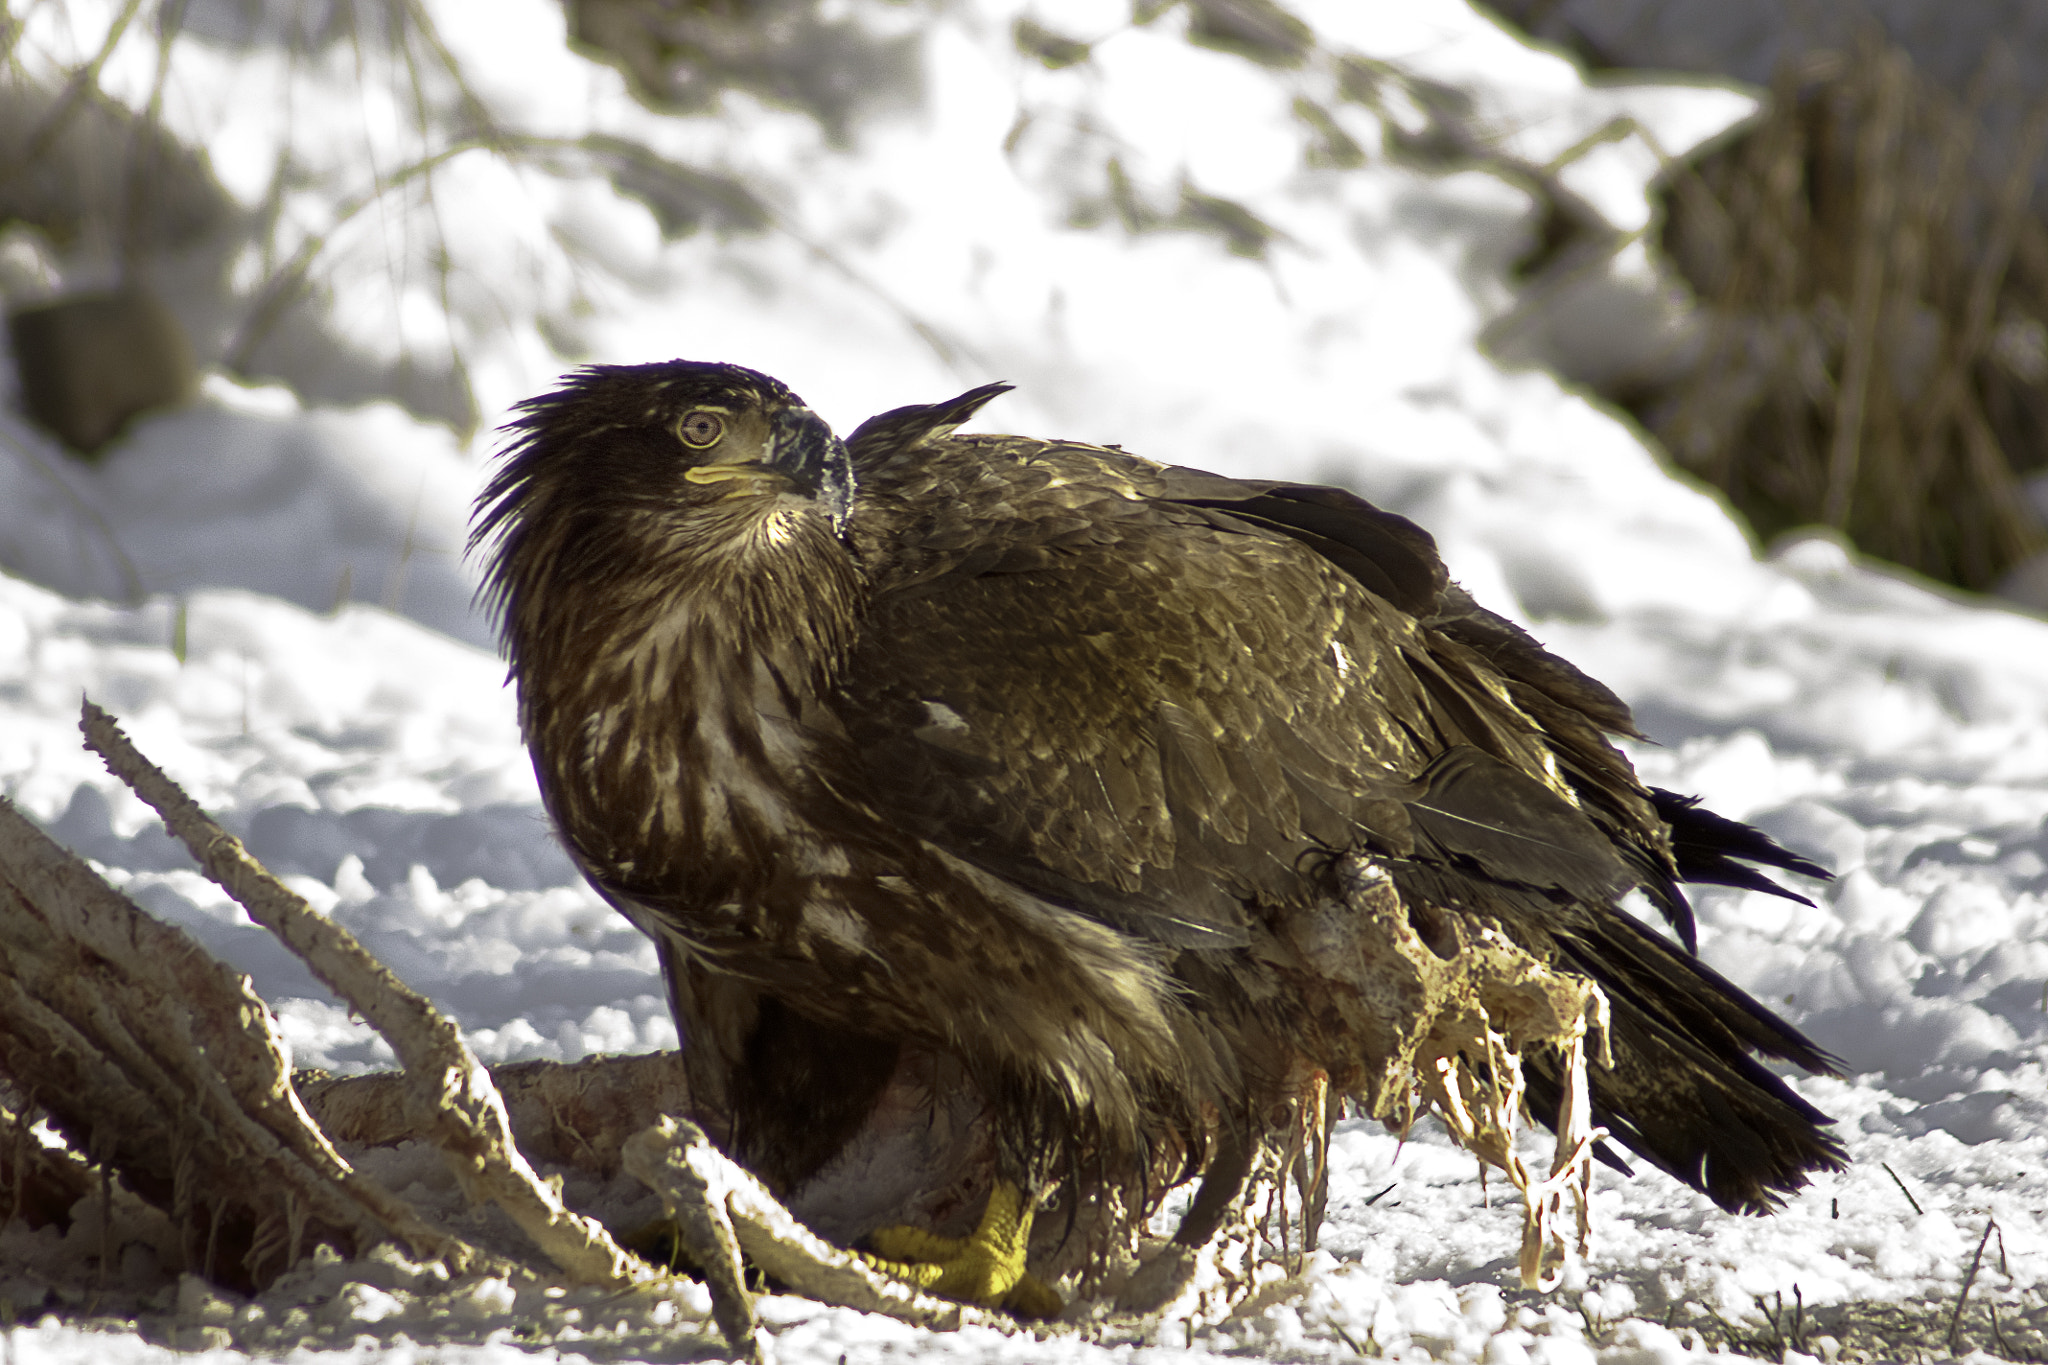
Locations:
{"points": [[1713, 849]]}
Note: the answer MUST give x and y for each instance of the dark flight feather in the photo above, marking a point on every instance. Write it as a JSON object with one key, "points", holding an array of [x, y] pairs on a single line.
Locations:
{"points": [[1512, 828], [1707, 847], [1023, 764], [1389, 554]]}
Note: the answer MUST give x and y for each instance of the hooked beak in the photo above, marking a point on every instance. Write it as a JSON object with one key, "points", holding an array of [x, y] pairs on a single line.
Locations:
{"points": [[803, 452], [815, 460]]}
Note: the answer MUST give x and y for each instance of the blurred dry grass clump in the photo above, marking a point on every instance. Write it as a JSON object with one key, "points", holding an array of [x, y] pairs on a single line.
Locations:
{"points": [[1874, 283]]}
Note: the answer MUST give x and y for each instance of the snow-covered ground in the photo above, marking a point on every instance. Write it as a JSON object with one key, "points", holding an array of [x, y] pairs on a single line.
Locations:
{"points": [[304, 662]]}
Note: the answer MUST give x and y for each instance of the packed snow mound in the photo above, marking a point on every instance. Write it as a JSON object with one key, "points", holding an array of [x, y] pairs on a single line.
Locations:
{"points": [[244, 489]]}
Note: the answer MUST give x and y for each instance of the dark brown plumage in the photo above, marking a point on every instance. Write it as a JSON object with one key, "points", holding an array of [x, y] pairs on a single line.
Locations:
{"points": [[1039, 758]]}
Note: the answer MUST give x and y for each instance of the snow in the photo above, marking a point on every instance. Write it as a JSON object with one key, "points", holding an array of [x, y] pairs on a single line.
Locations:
{"points": [[271, 598]]}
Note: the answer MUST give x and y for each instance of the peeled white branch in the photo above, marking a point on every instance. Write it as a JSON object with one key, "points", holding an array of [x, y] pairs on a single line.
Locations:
{"points": [[452, 1099], [575, 1114], [696, 1181], [155, 1058]]}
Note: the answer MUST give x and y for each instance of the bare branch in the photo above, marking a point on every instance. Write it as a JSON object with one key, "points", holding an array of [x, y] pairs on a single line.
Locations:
{"points": [[698, 1182], [152, 1056], [454, 1101]]}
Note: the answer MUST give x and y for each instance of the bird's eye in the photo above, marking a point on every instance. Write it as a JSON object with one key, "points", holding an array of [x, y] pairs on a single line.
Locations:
{"points": [[700, 429]]}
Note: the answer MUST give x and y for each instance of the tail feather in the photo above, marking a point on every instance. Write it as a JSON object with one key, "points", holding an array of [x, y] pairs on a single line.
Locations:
{"points": [[1712, 848], [1685, 995], [1684, 1092], [1719, 1123]]}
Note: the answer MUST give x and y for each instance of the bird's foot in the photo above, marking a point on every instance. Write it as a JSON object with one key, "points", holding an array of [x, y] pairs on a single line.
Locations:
{"points": [[985, 1267]]}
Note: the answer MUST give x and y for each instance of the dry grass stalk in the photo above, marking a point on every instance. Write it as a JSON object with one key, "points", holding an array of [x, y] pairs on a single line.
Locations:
{"points": [[1875, 284], [452, 1098], [1955, 1323], [1877, 154]]}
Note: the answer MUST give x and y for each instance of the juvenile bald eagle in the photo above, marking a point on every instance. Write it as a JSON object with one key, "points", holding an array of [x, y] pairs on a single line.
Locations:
{"points": [[1058, 764]]}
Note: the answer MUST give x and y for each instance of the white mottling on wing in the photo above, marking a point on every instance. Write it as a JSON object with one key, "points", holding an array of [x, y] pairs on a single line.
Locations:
{"points": [[838, 925], [821, 860], [941, 717]]}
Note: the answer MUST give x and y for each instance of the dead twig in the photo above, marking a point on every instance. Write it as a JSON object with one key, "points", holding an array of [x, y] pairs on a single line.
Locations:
{"points": [[1955, 1323], [1788, 1335], [1902, 1188]]}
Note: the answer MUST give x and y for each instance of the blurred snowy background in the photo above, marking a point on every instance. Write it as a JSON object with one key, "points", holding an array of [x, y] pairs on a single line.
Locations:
{"points": [[1218, 233]]}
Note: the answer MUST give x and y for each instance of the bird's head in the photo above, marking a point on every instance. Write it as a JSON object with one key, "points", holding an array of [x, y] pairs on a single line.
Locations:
{"points": [[625, 464]]}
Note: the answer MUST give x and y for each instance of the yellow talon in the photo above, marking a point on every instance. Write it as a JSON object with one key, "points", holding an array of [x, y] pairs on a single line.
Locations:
{"points": [[986, 1267]]}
